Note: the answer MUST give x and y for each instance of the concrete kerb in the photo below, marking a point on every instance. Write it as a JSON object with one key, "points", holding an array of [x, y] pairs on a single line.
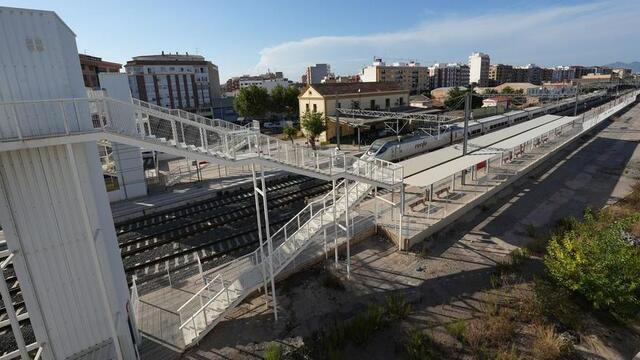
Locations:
{"points": [[458, 213]]}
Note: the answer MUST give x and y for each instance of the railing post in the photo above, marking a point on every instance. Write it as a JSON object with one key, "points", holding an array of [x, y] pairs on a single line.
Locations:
{"points": [[64, 118], [335, 221], [174, 131], [346, 221]]}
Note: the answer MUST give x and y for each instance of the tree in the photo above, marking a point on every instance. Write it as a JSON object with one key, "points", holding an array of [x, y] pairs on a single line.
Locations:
{"points": [[290, 132], [507, 90], [252, 101], [291, 103], [455, 100], [277, 103], [313, 124], [284, 100]]}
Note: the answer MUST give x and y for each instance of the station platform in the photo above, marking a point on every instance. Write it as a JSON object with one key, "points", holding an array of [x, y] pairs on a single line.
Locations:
{"points": [[443, 185]]}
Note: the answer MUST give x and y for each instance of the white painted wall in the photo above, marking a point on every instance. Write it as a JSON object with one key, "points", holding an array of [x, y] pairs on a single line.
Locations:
{"points": [[128, 158], [67, 258]]}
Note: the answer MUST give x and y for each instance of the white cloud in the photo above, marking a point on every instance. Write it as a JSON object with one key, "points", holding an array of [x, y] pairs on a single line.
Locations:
{"points": [[590, 33]]}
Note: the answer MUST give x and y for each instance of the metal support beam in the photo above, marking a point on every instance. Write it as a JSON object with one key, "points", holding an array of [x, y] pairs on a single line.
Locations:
{"points": [[269, 243], [11, 312], [257, 191]]}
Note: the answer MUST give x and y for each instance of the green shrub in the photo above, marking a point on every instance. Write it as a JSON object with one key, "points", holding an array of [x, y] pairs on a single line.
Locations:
{"points": [[556, 303], [396, 307], [420, 346], [595, 260], [457, 328], [273, 352]]}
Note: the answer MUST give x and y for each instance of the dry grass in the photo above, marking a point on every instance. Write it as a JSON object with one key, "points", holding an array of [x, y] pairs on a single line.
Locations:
{"points": [[493, 330], [547, 344], [635, 229]]}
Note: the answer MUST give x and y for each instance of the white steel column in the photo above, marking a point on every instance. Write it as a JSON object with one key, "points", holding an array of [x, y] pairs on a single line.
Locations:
{"points": [[401, 240], [375, 206], [269, 243], [259, 220], [346, 223], [94, 253], [335, 223]]}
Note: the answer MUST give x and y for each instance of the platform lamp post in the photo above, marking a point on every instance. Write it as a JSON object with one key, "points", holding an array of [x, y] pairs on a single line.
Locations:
{"points": [[467, 112], [575, 106]]}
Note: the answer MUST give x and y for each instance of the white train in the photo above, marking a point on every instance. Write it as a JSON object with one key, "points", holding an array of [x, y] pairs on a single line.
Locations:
{"points": [[396, 148]]}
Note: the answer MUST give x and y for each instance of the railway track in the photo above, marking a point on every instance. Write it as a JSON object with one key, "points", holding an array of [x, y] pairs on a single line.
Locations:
{"points": [[217, 230], [131, 228]]}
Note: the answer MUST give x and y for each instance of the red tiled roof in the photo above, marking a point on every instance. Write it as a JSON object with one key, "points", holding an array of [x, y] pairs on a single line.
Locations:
{"points": [[354, 88]]}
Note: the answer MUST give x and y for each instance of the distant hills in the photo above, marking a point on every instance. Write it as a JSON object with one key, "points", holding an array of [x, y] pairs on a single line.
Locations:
{"points": [[634, 66]]}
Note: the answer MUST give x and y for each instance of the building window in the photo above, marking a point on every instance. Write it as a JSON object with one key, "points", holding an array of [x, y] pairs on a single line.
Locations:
{"points": [[315, 108], [372, 104], [401, 101], [307, 107], [387, 103], [339, 105]]}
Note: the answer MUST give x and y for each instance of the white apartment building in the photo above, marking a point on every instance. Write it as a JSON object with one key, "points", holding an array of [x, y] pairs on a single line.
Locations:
{"points": [[479, 69], [267, 83], [413, 76], [448, 75], [174, 81]]}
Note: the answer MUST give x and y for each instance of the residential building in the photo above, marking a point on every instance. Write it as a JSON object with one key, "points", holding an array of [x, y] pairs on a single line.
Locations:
{"points": [[448, 75], [622, 73], [441, 94], [517, 86], [175, 81], [546, 75], [500, 74], [580, 71], [592, 77], [267, 81], [563, 74], [340, 79], [497, 101], [92, 65], [479, 64], [315, 73], [411, 75], [325, 98]]}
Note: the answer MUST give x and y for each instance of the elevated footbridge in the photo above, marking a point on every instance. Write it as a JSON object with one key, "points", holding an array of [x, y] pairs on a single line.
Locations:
{"points": [[33, 124]]}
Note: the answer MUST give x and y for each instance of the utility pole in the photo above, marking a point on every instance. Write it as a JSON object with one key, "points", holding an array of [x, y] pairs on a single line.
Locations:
{"points": [[575, 106], [467, 113]]}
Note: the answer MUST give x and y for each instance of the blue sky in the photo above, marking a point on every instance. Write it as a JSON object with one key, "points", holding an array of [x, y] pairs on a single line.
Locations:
{"points": [[252, 36]]}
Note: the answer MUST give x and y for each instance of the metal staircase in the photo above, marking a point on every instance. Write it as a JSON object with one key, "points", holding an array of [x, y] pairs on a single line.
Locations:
{"points": [[233, 282]]}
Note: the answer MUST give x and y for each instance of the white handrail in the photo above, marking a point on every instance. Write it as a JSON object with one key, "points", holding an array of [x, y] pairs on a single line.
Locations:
{"points": [[205, 287], [201, 309]]}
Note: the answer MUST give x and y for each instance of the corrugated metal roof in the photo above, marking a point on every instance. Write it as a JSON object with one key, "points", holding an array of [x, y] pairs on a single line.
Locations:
{"points": [[428, 160]]}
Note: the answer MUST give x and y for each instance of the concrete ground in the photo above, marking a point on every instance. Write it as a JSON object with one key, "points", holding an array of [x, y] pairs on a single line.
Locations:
{"points": [[591, 172]]}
